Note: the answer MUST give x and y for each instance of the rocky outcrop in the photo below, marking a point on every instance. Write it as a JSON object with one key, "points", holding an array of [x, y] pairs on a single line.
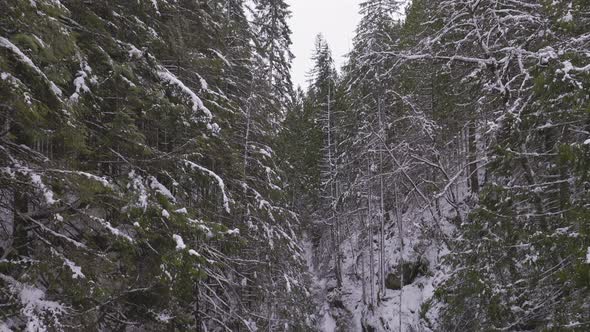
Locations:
{"points": [[409, 270]]}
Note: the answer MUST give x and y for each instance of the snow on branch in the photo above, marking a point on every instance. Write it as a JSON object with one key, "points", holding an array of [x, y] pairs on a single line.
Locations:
{"points": [[26, 60], [115, 231], [160, 188], [54, 233], [198, 105], [80, 82], [102, 180], [217, 178], [568, 68], [76, 270], [34, 305], [179, 242], [38, 183]]}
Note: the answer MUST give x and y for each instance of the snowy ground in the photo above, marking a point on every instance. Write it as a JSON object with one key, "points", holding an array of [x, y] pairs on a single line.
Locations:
{"points": [[319, 289], [344, 309], [387, 311]]}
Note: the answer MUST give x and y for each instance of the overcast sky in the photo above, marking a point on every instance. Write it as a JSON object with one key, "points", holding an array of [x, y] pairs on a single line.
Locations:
{"points": [[335, 19]]}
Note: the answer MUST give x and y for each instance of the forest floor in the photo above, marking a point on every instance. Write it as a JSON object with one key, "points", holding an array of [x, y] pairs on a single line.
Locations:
{"points": [[347, 308]]}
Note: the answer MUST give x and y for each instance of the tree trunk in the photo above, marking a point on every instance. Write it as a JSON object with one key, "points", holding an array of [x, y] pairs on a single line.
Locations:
{"points": [[473, 173], [370, 238]]}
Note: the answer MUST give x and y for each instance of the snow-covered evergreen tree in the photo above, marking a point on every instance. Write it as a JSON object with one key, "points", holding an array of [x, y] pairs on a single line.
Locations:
{"points": [[122, 182]]}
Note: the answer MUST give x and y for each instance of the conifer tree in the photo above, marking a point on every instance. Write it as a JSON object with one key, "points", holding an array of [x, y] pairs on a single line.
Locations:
{"points": [[121, 183]]}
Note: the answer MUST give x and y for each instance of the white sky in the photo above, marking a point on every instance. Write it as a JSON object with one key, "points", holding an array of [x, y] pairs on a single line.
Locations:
{"points": [[335, 19]]}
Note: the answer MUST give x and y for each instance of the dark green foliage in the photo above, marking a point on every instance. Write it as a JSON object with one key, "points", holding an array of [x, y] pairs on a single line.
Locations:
{"points": [[121, 158]]}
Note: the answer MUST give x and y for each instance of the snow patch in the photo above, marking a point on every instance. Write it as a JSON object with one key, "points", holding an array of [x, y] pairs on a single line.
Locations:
{"points": [[155, 4], [266, 153], [568, 17], [134, 52], [204, 84], [34, 305], [179, 242], [4, 327], [46, 192], [214, 128], [328, 323], [16, 84], [164, 317], [234, 231], [76, 270], [137, 184], [37, 181], [160, 188], [80, 82]]}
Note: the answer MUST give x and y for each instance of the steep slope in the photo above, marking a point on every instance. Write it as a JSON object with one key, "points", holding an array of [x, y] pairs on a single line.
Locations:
{"points": [[158, 172], [462, 130]]}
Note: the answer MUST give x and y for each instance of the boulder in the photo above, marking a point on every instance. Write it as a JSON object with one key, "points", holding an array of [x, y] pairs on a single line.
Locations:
{"points": [[393, 281], [411, 271]]}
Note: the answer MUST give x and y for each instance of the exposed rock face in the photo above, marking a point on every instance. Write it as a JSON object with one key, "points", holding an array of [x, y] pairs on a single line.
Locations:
{"points": [[409, 270], [393, 282], [368, 328]]}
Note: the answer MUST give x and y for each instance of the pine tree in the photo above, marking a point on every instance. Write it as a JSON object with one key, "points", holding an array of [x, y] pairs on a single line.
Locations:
{"points": [[273, 42]]}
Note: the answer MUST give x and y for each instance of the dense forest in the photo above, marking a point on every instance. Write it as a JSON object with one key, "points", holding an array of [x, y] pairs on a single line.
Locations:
{"points": [[159, 171]]}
